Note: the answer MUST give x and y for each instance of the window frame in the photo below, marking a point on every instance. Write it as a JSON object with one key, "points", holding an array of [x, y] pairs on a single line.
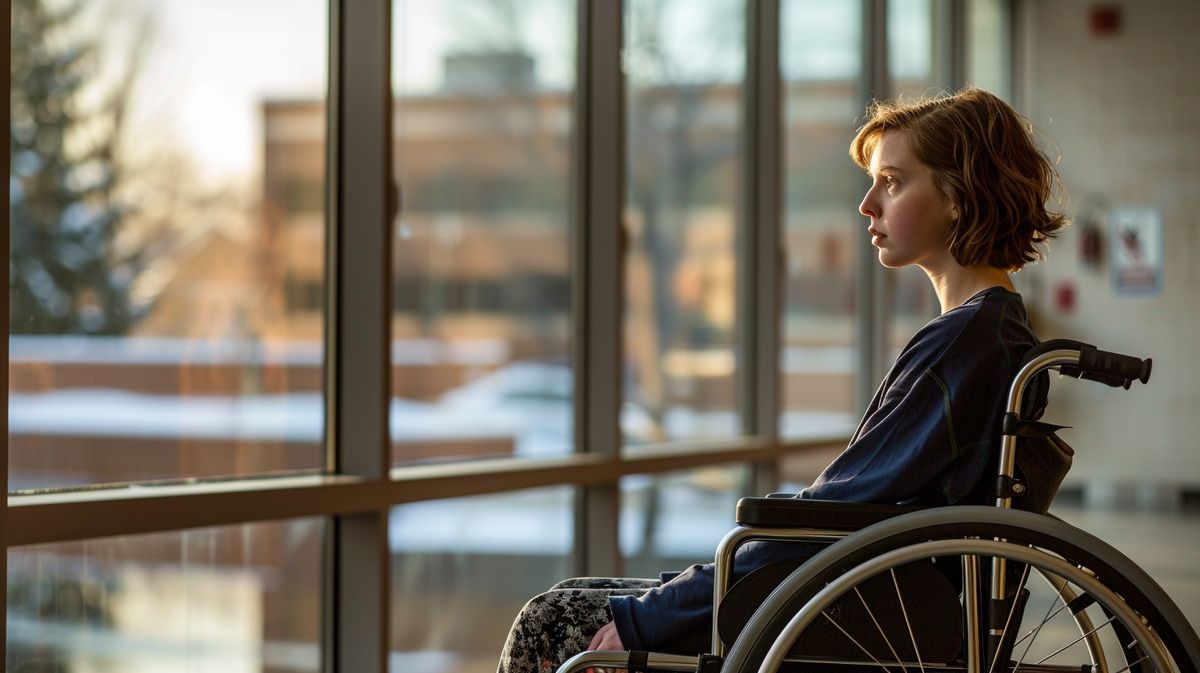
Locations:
{"points": [[361, 487]]}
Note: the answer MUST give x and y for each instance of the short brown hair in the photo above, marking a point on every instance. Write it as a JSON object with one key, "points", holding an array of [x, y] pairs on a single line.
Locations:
{"points": [[984, 159]]}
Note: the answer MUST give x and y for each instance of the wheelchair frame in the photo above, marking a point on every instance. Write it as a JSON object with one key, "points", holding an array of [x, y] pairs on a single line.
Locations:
{"points": [[865, 531]]}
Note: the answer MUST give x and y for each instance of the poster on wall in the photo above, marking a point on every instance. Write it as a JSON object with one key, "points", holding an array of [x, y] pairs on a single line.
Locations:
{"points": [[1137, 250]]}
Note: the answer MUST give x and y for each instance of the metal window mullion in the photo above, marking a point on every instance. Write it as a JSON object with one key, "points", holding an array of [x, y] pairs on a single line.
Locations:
{"points": [[358, 340], [4, 249], [760, 254], [598, 268]]}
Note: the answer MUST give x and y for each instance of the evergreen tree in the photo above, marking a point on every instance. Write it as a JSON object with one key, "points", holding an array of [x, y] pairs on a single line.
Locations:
{"points": [[66, 273]]}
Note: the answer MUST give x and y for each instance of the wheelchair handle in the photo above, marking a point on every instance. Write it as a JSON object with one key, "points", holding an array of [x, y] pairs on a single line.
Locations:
{"points": [[1073, 358], [1113, 369]]}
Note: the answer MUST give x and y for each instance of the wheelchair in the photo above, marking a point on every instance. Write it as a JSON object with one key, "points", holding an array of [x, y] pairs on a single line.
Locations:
{"points": [[1001, 588]]}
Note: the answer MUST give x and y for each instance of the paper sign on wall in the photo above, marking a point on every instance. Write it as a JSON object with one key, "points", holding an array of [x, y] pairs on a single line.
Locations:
{"points": [[1137, 250]]}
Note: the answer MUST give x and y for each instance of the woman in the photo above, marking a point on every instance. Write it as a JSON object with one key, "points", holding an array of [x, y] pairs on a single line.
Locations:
{"points": [[959, 190]]}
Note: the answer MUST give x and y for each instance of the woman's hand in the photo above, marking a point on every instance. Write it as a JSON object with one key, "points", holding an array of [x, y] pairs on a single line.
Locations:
{"points": [[607, 638]]}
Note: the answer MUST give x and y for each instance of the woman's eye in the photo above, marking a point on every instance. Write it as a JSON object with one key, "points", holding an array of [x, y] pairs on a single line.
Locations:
{"points": [[890, 182]]}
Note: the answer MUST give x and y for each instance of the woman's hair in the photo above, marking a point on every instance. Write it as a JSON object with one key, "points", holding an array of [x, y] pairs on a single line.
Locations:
{"points": [[984, 159]]}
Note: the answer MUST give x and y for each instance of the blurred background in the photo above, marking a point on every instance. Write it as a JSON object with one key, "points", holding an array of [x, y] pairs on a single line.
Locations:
{"points": [[169, 184]]}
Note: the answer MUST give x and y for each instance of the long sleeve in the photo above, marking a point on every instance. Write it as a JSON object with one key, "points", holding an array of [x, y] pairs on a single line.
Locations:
{"points": [[928, 434], [907, 443], [677, 616]]}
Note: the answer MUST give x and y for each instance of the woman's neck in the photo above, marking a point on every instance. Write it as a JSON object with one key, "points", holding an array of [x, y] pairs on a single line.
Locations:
{"points": [[956, 284]]}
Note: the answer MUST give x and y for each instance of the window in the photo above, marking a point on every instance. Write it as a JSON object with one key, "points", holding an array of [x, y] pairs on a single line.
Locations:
{"points": [[989, 56], [166, 312], [684, 67], [670, 521], [822, 72], [483, 130], [200, 305], [462, 569], [240, 598]]}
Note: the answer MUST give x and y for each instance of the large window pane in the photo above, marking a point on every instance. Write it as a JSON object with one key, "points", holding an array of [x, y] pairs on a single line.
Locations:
{"points": [[227, 600], [684, 66], [481, 324], [167, 183], [670, 521], [462, 569], [822, 69]]}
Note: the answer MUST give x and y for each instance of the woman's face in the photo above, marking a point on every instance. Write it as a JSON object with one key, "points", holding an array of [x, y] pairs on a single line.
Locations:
{"points": [[910, 217]]}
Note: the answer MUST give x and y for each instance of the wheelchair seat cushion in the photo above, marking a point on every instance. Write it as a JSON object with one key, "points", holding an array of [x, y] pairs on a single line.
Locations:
{"points": [[927, 595]]}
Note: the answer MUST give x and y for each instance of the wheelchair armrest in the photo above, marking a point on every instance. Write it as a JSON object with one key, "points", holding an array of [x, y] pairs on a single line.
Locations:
{"points": [[777, 512]]}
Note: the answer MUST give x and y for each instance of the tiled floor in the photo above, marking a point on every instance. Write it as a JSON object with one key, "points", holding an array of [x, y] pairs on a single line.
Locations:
{"points": [[1164, 543]]}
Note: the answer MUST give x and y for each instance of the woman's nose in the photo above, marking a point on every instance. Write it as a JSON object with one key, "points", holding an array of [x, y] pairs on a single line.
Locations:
{"points": [[869, 206]]}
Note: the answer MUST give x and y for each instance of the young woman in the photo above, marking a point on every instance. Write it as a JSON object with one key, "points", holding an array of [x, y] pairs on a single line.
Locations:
{"points": [[959, 190]]}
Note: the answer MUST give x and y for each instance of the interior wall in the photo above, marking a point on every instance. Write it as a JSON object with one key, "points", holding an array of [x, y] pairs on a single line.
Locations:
{"points": [[1124, 110]]}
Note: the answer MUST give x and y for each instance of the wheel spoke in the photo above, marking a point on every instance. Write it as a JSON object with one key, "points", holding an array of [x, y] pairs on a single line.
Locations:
{"points": [[880, 628], [1080, 638], [1038, 629], [858, 644], [1046, 619], [808, 597], [1008, 620], [1131, 665], [904, 611]]}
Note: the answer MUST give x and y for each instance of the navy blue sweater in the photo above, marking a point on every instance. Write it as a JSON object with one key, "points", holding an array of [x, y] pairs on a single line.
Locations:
{"points": [[926, 437]]}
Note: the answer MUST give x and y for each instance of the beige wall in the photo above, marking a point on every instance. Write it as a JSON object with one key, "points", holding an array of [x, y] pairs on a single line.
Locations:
{"points": [[1124, 111]]}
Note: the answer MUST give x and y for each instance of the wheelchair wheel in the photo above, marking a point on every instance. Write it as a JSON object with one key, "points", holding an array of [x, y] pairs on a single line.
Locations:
{"points": [[1060, 596], [1101, 613]]}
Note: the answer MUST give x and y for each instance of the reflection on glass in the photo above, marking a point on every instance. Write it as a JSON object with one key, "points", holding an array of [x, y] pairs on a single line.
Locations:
{"points": [[822, 70], [913, 69], [481, 317], [167, 180], [684, 66], [462, 569], [230, 600], [670, 521]]}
